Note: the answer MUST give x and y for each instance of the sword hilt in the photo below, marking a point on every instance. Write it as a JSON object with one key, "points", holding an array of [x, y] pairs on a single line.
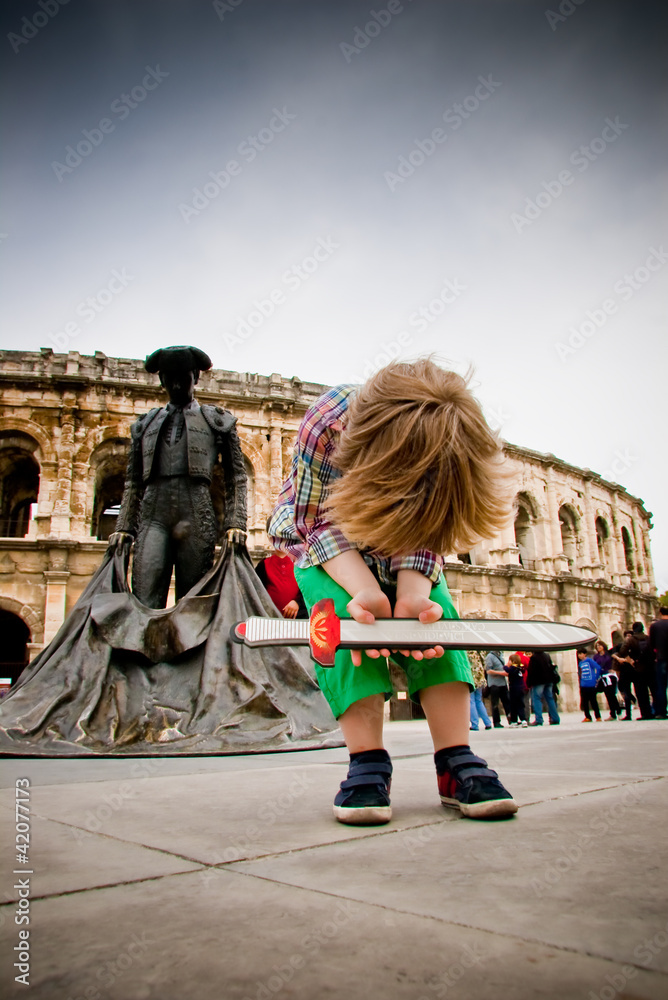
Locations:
{"points": [[322, 632]]}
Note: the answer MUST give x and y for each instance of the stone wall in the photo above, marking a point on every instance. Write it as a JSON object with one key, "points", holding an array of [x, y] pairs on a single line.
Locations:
{"points": [[577, 548]]}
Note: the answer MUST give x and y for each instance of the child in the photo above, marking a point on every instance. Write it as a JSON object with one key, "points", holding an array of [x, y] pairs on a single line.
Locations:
{"points": [[517, 688], [608, 679], [278, 576], [385, 476], [588, 675]]}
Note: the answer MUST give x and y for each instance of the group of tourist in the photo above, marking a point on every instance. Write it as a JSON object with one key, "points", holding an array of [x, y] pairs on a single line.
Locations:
{"points": [[521, 686], [632, 671]]}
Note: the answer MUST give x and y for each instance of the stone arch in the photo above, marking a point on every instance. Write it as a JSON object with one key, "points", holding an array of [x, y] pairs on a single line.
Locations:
{"points": [[288, 441], [251, 492], [218, 492], [603, 541], [569, 525], [98, 436], [587, 623], [32, 618], [46, 451], [526, 516], [628, 550], [539, 618], [256, 471], [19, 482], [14, 651], [106, 479]]}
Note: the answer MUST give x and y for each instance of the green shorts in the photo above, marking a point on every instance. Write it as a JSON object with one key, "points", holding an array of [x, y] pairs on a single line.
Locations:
{"points": [[344, 684]]}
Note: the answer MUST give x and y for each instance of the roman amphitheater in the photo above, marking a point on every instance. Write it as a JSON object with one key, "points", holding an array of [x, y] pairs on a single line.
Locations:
{"points": [[576, 549]]}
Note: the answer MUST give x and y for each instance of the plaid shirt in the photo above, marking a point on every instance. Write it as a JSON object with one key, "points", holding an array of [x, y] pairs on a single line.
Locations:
{"points": [[299, 523]]}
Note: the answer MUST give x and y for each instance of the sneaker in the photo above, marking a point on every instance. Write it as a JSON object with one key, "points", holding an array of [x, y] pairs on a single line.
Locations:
{"points": [[599, 719], [364, 796], [524, 723], [514, 725], [586, 720], [466, 783], [488, 727]]}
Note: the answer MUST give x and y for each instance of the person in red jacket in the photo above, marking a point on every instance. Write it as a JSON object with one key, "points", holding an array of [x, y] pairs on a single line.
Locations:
{"points": [[277, 574]]}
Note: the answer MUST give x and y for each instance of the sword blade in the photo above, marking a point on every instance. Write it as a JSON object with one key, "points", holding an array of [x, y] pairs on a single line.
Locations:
{"points": [[472, 633]]}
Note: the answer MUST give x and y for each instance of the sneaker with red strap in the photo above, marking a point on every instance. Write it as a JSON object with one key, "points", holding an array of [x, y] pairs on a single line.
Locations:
{"points": [[465, 782]]}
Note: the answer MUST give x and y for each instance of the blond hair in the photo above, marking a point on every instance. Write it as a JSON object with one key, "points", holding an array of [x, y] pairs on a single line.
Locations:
{"points": [[421, 469]]}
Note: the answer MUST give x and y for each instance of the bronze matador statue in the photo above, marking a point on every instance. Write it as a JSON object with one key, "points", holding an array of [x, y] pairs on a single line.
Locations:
{"points": [[125, 674], [167, 504]]}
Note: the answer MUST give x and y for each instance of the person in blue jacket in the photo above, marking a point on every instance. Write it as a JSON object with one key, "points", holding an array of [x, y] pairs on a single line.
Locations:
{"points": [[589, 672]]}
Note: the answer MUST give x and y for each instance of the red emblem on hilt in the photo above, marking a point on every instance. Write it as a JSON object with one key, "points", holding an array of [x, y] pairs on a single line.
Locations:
{"points": [[324, 632]]}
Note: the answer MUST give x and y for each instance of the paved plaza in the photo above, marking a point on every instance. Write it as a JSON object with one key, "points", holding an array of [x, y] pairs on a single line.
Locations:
{"points": [[227, 879]]}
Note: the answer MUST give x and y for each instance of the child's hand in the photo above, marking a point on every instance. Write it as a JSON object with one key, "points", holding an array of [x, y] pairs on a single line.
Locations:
{"points": [[425, 610], [365, 607]]}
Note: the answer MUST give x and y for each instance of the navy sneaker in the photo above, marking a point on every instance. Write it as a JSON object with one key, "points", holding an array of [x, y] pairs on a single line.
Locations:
{"points": [[466, 783], [364, 797]]}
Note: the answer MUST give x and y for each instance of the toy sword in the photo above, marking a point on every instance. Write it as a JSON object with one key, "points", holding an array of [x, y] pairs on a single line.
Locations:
{"points": [[325, 632]]}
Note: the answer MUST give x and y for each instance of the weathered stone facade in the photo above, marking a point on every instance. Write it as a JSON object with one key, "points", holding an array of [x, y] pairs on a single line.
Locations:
{"points": [[577, 549]]}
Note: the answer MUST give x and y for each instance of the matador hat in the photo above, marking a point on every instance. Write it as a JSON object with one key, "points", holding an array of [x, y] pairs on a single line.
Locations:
{"points": [[183, 359]]}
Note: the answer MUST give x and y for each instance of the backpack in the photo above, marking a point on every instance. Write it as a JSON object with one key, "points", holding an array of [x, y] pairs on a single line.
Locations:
{"points": [[645, 660]]}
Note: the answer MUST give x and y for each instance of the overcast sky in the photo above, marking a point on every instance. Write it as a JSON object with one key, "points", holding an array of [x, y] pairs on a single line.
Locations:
{"points": [[308, 187]]}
